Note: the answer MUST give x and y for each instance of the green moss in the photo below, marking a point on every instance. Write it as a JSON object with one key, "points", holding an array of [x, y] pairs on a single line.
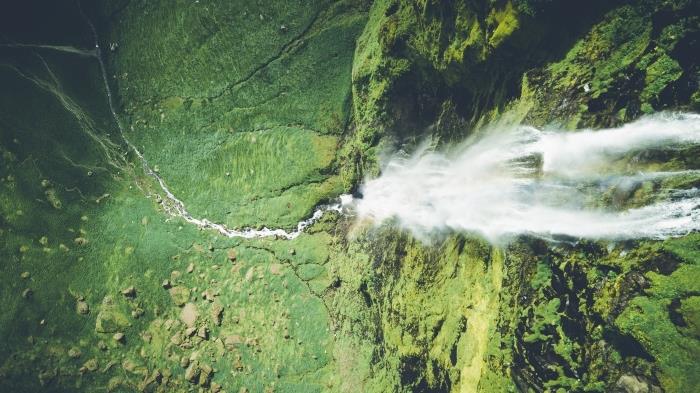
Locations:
{"points": [[647, 319], [506, 22], [658, 75]]}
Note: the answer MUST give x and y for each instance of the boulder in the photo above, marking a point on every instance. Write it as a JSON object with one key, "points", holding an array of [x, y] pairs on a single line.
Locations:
{"points": [[81, 307], [74, 353], [189, 314], [129, 292], [192, 372], [110, 320], [180, 295], [216, 312]]}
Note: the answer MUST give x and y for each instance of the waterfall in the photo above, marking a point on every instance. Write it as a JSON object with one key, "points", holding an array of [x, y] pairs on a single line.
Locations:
{"points": [[522, 180]]}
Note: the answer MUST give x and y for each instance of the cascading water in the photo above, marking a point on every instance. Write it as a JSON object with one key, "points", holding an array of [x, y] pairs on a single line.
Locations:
{"points": [[525, 181]]}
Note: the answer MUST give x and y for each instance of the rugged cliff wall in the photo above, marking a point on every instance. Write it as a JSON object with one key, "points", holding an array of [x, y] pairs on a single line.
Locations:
{"points": [[581, 317], [256, 112]]}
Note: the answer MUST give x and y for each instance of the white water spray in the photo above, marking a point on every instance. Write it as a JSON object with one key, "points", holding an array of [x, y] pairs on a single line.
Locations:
{"points": [[526, 181]]}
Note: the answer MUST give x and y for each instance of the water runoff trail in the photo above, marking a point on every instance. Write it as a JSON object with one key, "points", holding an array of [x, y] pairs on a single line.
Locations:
{"points": [[174, 206]]}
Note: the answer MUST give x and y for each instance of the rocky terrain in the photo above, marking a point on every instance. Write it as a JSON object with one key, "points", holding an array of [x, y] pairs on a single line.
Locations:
{"points": [[255, 113]]}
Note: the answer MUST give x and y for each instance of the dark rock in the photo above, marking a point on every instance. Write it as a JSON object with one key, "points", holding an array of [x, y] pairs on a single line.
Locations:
{"points": [[129, 292], [81, 307], [27, 293]]}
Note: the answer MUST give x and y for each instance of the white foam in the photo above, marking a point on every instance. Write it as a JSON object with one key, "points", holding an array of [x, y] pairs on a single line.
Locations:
{"points": [[523, 180]]}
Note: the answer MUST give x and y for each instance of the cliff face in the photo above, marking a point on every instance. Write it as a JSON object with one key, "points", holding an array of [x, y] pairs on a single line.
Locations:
{"points": [[253, 114]]}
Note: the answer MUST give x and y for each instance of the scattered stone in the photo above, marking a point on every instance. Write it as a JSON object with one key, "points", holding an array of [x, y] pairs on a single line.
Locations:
{"points": [[283, 28], [189, 314], [131, 366], [189, 332], [215, 387], [115, 383], [46, 376], [167, 374], [250, 274], [176, 339], [216, 312], [147, 337], [44, 241], [24, 275], [74, 353], [238, 364], [63, 247], [190, 268], [276, 269], [168, 324], [205, 373], [192, 372], [149, 383], [119, 337], [232, 254], [186, 344], [203, 332], [137, 312], [184, 362], [166, 284], [110, 319], [209, 295], [231, 341], [634, 384], [101, 345], [27, 293], [91, 365], [292, 251], [175, 275], [180, 295], [80, 241], [129, 292]]}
